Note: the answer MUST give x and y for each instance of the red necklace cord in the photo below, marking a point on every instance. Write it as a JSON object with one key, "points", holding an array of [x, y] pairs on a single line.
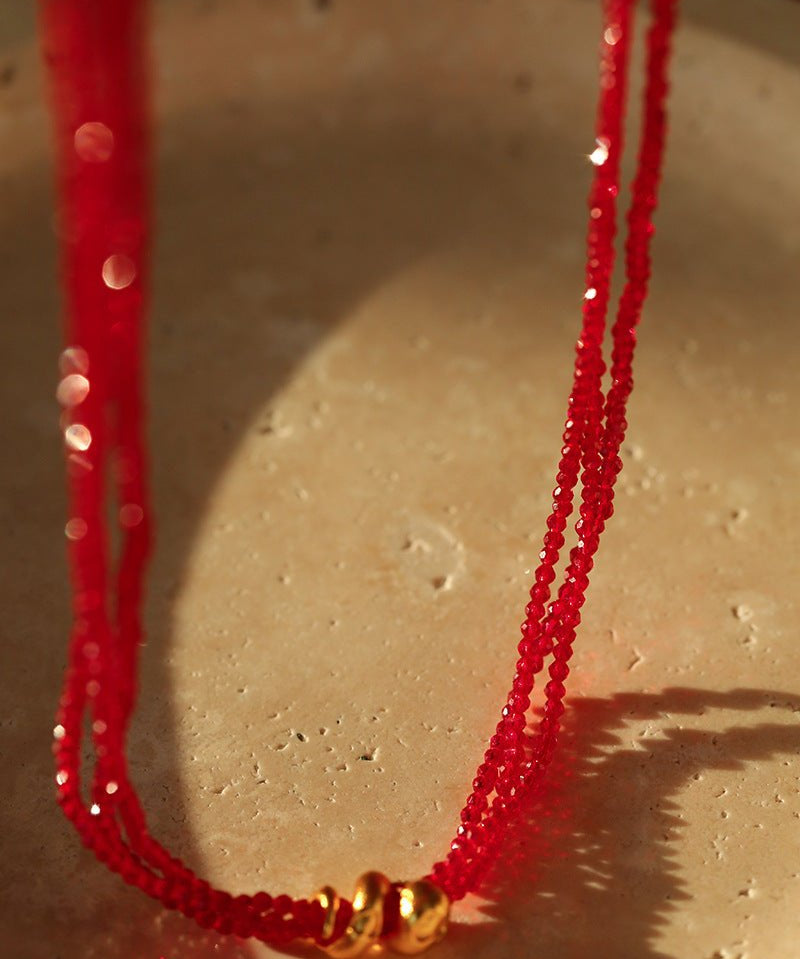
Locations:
{"points": [[96, 55]]}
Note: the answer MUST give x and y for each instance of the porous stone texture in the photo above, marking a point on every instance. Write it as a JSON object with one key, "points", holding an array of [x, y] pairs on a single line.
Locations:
{"points": [[368, 278]]}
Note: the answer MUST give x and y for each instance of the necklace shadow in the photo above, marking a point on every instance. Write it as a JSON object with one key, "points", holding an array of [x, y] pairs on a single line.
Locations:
{"points": [[596, 864], [594, 861]]}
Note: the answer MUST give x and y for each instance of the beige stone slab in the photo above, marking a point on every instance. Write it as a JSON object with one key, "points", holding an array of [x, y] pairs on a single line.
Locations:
{"points": [[368, 283]]}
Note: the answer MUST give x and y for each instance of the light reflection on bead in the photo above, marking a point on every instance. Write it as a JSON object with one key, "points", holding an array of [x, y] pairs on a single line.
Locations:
{"points": [[424, 916], [74, 359], [130, 515], [72, 390], [328, 898], [590, 294], [111, 787], [612, 35], [61, 777], [59, 732], [99, 727], [77, 437], [94, 809], [76, 528], [599, 155], [364, 929], [94, 142], [118, 271]]}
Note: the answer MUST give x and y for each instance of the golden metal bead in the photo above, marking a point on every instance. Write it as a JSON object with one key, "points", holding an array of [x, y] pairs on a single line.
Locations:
{"points": [[328, 898], [424, 915], [364, 928]]}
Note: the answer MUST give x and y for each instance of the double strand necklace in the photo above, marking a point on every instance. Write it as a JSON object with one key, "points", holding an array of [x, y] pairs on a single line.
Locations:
{"points": [[96, 53]]}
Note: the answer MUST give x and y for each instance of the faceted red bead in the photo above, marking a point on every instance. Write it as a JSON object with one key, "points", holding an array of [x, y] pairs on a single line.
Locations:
{"points": [[486, 776], [544, 574], [559, 670], [562, 653], [539, 592]]}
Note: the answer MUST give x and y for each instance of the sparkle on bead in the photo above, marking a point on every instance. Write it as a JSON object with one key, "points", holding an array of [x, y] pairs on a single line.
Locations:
{"points": [[94, 142], [599, 155], [77, 437], [119, 271], [76, 528], [74, 359], [72, 390]]}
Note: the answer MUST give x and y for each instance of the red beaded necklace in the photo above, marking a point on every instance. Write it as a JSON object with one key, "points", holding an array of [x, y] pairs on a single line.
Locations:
{"points": [[96, 55]]}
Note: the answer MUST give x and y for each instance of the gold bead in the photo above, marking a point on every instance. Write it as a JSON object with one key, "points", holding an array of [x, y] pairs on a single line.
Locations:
{"points": [[328, 898], [424, 914], [364, 928]]}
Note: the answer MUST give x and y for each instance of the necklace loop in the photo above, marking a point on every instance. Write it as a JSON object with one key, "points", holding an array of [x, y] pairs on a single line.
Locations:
{"points": [[96, 53]]}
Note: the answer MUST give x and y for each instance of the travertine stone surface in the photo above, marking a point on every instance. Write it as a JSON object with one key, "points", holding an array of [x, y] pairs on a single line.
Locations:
{"points": [[368, 281]]}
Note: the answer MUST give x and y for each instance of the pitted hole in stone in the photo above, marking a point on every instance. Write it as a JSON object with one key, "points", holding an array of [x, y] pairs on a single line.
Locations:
{"points": [[426, 552], [416, 545]]}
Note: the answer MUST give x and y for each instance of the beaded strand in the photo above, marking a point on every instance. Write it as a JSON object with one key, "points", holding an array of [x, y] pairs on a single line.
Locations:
{"points": [[593, 435]]}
